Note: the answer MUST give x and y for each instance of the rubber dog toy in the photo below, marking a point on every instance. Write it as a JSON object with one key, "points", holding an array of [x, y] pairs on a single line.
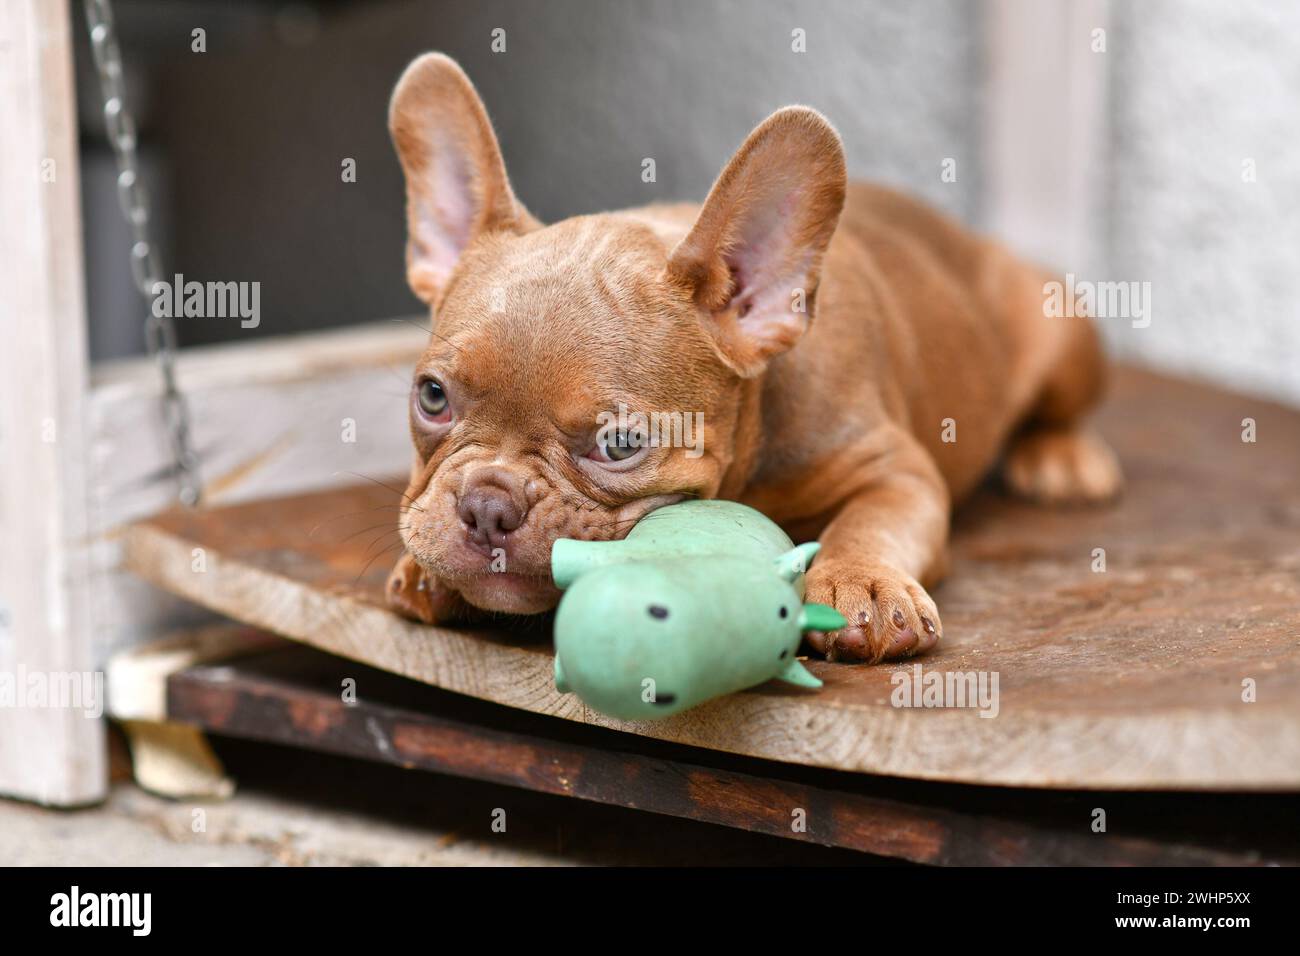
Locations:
{"points": [[702, 598]]}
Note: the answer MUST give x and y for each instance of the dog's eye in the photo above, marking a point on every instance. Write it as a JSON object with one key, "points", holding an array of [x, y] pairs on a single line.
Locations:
{"points": [[433, 400], [615, 447]]}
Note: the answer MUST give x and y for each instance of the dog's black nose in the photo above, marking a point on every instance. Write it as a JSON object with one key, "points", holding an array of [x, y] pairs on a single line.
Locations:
{"points": [[490, 512]]}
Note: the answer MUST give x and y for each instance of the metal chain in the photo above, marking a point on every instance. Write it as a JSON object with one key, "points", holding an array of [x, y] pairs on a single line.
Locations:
{"points": [[159, 332]]}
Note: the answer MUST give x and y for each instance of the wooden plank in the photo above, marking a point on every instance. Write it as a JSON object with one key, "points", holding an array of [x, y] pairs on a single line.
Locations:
{"points": [[293, 697], [52, 754], [1131, 677]]}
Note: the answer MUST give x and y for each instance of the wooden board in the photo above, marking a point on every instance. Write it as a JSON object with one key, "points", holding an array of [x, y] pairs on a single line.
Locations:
{"points": [[292, 697], [1127, 678]]}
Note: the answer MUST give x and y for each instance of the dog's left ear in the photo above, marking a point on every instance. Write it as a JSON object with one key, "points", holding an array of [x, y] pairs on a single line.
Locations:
{"points": [[753, 258]]}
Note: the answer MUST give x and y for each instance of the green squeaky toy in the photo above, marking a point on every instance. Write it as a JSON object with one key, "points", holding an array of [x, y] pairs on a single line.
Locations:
{"points": [[701, 599]]}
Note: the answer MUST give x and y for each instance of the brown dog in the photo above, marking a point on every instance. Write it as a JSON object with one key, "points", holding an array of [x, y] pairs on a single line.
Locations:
{"points": [[930, 354]]}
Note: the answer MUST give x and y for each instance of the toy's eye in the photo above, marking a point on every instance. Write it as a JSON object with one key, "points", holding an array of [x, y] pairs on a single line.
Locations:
{"points": [[433, 401], [616, 447], [785, 612], [658, 611]]}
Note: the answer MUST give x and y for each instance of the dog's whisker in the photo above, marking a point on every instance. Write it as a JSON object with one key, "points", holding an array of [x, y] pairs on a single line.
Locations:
{"points": [[367, 565], [381, 484], [431, 332], [404, 379], [386, 533], [374, 527], [412, 322], [353, 514]]}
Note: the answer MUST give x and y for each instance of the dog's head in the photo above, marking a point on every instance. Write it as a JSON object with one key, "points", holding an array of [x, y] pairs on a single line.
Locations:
{"points": [[583, 373]]}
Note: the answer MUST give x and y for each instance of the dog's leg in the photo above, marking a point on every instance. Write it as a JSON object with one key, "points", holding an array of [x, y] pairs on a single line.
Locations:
{"points": [[413, 593], [1066, 464], [884, 540], [1055, 459]]}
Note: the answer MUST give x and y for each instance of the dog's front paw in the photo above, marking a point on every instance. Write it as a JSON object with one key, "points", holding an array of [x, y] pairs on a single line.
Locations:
{"points": [[889, 614], [413, 593]]}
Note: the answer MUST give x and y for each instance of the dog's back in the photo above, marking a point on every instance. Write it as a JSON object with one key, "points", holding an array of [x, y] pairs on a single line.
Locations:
{"points": [[922, 322]]}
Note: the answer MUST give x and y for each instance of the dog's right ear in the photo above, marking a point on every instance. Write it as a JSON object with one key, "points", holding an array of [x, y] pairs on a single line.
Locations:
{"points": [[456, 185]]}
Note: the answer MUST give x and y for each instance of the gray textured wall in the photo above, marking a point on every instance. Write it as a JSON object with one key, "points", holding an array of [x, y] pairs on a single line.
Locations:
{"points": [[255, 129], [1198, 87], [584, 92]]}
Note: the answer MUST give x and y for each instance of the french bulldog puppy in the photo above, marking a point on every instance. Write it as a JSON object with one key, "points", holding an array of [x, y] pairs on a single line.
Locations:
{"points": [[858, 363]]}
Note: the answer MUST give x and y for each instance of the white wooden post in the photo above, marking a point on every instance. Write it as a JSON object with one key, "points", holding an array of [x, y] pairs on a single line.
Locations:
{"points": [[1045, 128], [49, 752]]}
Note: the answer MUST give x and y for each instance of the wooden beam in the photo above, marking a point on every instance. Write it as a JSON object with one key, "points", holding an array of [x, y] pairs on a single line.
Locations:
{"points": [[295, 697], [1130, 673], [49, 752]]}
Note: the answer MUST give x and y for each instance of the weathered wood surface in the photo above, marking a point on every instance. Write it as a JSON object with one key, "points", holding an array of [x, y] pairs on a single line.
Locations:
{"points": [[1127, 678], [295, 697]]}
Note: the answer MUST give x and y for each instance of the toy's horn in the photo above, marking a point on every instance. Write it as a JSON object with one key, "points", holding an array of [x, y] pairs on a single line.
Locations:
{"points": [[820, 617], [795, 562], [796, 673]]}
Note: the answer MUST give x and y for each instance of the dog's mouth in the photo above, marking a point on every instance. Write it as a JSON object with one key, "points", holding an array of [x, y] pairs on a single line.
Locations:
{"points": [[515, 579], [510, 592], [664, 700]]}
